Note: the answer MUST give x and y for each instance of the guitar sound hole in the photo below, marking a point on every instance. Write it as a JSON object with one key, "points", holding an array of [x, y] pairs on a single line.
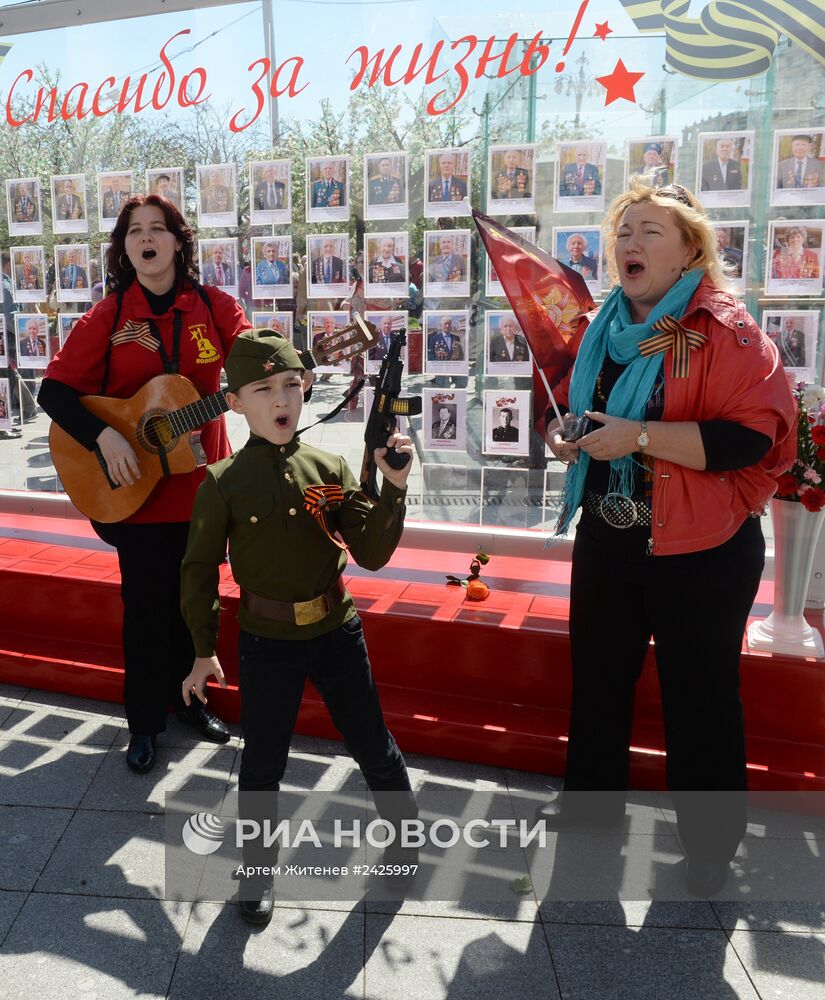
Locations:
{"points": [[156, 432]]}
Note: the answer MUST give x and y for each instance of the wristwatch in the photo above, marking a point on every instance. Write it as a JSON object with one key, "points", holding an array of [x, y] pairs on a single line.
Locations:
{"points": [[643, 440]]}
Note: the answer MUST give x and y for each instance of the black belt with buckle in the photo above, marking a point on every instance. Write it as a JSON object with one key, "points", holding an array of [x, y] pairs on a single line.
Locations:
{"points": [[299, 612], [617, 510]]}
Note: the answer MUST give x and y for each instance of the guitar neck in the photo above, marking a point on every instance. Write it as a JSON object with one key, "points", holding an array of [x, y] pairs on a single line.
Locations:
{"points": [[193, 415]]}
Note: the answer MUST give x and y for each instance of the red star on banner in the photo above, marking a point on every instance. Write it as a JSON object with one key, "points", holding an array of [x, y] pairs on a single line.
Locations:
{"points": [[620, 83], [602, 30]]}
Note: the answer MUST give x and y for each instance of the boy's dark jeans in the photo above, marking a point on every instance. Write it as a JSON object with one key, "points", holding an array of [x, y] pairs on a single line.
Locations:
{"points": [[273, 673]]}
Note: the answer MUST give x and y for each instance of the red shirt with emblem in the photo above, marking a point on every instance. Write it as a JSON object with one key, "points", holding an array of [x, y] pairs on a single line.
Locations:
{"points": [[204, 343]]}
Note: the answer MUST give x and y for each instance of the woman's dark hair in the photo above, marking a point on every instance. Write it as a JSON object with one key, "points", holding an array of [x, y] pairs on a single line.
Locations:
{"points": [[119, 277]]}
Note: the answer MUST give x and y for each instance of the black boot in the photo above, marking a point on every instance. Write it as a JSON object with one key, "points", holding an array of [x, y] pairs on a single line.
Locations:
{"points": [[255, 900], [705, 878], [141, 753]]}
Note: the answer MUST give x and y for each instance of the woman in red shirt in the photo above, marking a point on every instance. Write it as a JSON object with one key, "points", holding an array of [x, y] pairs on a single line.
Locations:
{"points": [[159, 319]]}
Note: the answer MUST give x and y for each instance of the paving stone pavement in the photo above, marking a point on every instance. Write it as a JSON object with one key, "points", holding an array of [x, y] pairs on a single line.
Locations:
{"points": [[83, 912]]}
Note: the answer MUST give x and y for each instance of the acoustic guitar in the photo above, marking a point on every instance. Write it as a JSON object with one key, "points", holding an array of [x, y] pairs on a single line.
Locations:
{"points": [[161, 423]]}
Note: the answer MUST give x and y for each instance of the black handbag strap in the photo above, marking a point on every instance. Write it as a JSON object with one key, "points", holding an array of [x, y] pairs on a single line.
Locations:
{"points": [[171, 364]]}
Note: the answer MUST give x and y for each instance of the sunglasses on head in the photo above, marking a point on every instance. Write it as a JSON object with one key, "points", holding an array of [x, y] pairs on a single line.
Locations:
{"points": [[677, 192]]}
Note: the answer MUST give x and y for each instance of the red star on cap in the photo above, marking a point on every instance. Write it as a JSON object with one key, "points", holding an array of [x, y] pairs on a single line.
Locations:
{"points": [[268, 366], [602, 30], [620, 83]]}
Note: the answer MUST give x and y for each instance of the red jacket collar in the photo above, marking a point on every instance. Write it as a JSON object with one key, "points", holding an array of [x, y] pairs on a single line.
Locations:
{"points": [[722, 306]]}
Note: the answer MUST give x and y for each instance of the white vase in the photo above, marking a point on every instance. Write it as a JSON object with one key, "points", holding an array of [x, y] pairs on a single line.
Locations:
{"points": [[785, 630]]}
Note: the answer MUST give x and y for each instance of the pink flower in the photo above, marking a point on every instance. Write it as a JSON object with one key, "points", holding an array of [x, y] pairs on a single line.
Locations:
{"points": [[812, 476]]}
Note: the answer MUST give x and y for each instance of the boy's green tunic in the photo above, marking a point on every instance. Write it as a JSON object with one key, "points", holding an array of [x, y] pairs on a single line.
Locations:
{"points": [[277, 549]]}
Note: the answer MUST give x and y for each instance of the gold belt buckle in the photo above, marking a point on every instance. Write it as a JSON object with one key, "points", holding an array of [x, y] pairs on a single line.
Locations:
{"points": [[309, 612]]}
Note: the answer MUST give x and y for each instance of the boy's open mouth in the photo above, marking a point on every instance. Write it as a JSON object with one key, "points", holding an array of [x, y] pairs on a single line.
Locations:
{"points": [[282, 421]]}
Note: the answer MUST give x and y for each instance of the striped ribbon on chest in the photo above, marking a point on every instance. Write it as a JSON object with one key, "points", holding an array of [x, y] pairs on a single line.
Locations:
{"points": [[673, 335], [320, 499], [132, 332]]}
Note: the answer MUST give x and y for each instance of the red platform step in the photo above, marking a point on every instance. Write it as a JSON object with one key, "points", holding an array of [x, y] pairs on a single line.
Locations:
{"points": [[480, 682]]}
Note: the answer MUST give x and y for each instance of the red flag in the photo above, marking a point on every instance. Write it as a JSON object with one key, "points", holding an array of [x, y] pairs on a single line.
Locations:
{"points": [[549, 299]]}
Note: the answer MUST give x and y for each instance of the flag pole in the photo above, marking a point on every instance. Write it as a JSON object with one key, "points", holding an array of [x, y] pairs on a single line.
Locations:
{"points": [[550, 395]]}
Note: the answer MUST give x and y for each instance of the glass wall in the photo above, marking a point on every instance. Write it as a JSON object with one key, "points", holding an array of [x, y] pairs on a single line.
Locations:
{"points": [[322, 174]]}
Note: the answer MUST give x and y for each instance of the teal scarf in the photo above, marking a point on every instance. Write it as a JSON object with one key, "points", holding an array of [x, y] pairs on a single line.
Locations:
{"points": [[613, 332]]}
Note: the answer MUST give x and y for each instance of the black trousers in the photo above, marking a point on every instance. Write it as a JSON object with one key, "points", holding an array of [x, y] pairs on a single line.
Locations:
{"points": [[157, 647], [273, 673], [695, 606]]}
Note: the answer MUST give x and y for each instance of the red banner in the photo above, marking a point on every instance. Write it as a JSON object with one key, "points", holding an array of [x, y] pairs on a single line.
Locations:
{"points": [[548, 298]]}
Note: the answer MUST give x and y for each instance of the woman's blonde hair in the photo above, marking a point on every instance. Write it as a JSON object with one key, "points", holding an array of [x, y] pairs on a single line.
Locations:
{"points": [[688, 214]]}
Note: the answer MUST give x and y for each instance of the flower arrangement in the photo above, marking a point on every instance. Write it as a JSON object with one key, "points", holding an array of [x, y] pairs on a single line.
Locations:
{"points": [[804, 482]]}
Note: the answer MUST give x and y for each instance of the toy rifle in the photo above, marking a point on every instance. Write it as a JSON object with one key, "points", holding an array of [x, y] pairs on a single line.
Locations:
{"points": [[382, 421]]}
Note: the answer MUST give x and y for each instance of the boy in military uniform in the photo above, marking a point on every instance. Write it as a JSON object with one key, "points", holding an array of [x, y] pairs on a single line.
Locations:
{"points": [[280, 503]]}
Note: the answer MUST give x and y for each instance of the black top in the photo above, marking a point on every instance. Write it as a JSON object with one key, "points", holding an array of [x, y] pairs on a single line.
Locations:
{"points": [[62, 402]]}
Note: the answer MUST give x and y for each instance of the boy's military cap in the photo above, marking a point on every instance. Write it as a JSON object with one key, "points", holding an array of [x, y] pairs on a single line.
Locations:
{"points": [[257, 354]]}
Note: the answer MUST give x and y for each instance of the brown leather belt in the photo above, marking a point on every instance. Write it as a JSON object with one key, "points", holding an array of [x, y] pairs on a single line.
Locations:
{"points": [[299, 613]]}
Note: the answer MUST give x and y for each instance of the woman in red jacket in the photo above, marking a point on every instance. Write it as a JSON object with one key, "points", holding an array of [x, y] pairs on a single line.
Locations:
{"points": [[691, 421], [158, 320]]}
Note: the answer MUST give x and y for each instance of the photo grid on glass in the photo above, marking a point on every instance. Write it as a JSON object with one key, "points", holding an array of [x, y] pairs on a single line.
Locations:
{"points": [[325, 324], [386, 263], [794, 332], [34, 347], [444, 419], [69, 203], [270, 186], [24, 205], [218, 260], [580, 248], [723, 169], [798, 168], [327, 189], [447, 263], [653, 158], [72, 272], [28, 274], [511, 180], [794, 265], [217, 194], [387, 322], [114, 189], [446, 182], [276, 321], [580, 172], [271, 267], [386, 186], [167, 182]]}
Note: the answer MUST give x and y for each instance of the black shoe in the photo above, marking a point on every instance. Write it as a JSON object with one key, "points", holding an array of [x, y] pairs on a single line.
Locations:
{"points": [[705, 878], [557, 817], [258, 910], [141, 753], [210, 726]]}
